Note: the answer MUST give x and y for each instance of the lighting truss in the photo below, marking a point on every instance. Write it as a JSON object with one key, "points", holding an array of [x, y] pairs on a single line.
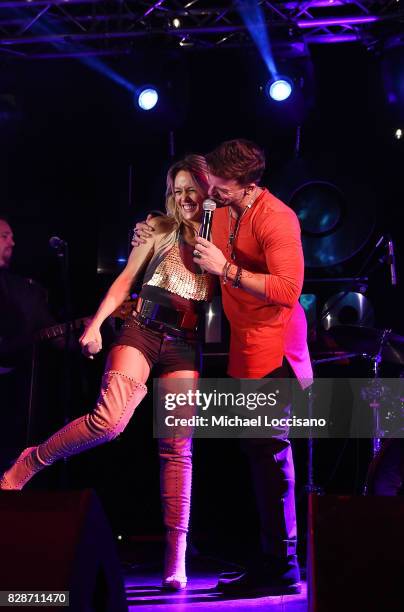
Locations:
{"points": [[41, 29]]}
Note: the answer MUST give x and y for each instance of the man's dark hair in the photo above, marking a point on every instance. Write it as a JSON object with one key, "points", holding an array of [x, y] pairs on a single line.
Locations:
{"points": [[241, 160], [4, 217]]}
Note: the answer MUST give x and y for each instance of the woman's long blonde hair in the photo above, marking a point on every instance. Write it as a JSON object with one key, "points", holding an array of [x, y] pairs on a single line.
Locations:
{"points": [[198, 169]]}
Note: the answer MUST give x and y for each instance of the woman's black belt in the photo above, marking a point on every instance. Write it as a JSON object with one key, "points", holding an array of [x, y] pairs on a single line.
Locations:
{"points": [[162, 318]]}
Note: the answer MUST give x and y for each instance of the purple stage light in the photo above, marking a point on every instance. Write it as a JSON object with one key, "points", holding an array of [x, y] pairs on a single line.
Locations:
{"points": [[336, 21], [331, 39], [293, 6]]}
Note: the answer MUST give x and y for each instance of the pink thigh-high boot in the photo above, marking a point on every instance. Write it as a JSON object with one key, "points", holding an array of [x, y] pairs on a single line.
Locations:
{"points": [[118, 399], [175, 482]]}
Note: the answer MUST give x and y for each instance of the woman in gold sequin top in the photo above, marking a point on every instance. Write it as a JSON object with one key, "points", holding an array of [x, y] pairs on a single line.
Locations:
{"points": [[160, 335]]}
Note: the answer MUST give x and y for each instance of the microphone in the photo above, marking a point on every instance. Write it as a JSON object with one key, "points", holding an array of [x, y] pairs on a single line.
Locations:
{"points": [[392, 261], [209, 207], [57, 243], [91, 349]]}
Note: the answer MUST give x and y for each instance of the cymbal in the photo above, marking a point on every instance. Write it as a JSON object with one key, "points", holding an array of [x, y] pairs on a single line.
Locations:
{"points": [[361, 339], [351, 308]]}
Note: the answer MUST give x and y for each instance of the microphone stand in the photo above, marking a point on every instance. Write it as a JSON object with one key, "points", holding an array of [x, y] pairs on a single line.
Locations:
{"points": [[63, 258], [311, 486]]}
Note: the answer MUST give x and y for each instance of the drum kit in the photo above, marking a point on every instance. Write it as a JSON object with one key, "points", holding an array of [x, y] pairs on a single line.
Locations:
{"points": [[378, 347], [337, 214], [345, 335]]}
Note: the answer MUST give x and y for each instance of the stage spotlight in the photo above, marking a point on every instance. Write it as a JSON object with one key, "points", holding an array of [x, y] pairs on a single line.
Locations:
{"points": [[279, 89], [398, 134], [176, 23], [147, 98], [186, 42]]}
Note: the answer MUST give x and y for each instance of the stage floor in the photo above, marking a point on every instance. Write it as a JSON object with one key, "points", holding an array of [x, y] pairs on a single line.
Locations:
{"points": [[143, 590]]}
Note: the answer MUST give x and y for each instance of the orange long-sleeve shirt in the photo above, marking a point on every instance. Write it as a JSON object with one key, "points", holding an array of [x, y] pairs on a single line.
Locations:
{"points": [[264, 331]]}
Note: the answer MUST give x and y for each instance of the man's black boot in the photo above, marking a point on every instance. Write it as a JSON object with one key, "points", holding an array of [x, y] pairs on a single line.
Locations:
{"points": [[273, 576]]}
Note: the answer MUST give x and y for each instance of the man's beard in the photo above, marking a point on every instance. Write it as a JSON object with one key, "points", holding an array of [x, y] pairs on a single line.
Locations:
{"points": [[7, 255], [222, 203]]}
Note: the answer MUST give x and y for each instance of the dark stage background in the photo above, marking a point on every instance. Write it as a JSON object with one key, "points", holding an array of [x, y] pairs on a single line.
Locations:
{"points": [[79, 161]]}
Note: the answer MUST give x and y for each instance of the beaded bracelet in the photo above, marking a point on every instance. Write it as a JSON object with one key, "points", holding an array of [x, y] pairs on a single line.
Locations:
{"points": [[225, 271], [237, 279]]}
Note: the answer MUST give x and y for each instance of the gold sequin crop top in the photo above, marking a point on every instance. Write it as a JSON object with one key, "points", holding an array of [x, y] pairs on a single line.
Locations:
{"points": [[172, 269]]}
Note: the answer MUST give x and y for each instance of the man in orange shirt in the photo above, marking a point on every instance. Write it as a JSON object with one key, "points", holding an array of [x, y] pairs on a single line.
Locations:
{"points": [[256, 251], [257, 254]]}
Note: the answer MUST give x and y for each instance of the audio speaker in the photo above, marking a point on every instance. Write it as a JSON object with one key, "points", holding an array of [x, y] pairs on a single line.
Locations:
{"points": [[355, 553], [60, 541]]}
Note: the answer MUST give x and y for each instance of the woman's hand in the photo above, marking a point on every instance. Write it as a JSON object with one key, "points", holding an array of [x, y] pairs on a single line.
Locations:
{"points": [[91, 341], [142, 231]]}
